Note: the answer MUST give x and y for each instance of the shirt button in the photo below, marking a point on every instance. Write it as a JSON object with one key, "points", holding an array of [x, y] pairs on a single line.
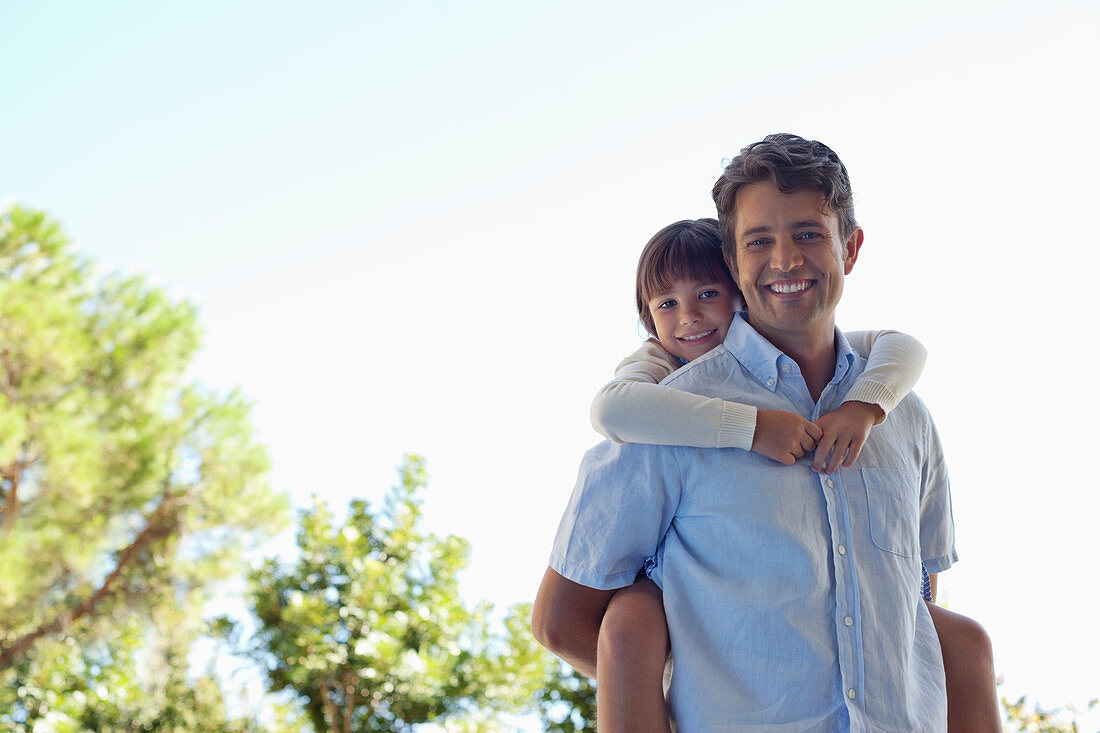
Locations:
{"points": [[786, 367], [848, 620], [842, 549], [770, 381], [851, 694], [829, 483]]}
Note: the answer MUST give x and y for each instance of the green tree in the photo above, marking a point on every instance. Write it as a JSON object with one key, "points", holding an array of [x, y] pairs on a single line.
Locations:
{"points": [[1040, 720], [368, 628], [536, 680], [122, 680], [126, 492]]}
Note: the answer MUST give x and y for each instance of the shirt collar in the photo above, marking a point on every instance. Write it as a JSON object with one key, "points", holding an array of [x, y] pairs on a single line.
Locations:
{"points": [[763, 360], [845, 356]]}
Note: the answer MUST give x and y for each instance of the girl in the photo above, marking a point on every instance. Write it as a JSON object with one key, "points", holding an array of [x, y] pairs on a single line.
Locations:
{"points": [[686, 299]]}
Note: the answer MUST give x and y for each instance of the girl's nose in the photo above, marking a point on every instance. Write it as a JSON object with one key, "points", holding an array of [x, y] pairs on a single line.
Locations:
{"points": [[690, 315]]}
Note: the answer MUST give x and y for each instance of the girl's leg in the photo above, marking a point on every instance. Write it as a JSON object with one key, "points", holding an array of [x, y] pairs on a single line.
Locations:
{"points": [[630, 662], [972, 705]]}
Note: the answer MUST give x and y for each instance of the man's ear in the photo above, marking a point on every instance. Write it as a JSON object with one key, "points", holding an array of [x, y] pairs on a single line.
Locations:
{"points": [[851, 250]]}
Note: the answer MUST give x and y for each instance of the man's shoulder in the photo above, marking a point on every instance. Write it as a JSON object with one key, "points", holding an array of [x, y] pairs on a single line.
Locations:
{"points": [[912, 420], [609, 464], [607, 451], [914, 408], [717, 363]]}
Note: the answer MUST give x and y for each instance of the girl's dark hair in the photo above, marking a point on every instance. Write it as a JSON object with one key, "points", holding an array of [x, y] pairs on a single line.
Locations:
{"points": [[686, 250]]}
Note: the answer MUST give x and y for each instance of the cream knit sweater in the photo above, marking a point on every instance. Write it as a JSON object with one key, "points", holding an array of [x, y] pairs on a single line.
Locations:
{"points": [[634, 408]]}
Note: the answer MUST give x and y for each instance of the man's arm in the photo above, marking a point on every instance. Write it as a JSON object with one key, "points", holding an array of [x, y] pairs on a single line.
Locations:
{"points": [[566, 619]]}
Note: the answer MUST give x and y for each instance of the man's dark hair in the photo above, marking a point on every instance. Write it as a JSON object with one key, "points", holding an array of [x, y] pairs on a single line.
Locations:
{"points": [[793, 163]]}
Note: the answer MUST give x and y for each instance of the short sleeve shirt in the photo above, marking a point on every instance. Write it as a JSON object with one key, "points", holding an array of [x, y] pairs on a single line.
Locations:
{"points": [[792, 598]]}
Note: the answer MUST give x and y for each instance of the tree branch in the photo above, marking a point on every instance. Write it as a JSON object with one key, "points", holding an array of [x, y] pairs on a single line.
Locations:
{"points": [[155, 529], [330, 707], [12, 505], [7, 385], [349, 702]]}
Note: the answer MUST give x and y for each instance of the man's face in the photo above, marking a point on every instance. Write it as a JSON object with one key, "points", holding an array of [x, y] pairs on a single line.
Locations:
{"points": [[790, 260]]}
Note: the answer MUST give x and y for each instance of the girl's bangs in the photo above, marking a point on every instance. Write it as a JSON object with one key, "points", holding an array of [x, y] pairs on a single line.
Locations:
{"points": [[684, 261]]}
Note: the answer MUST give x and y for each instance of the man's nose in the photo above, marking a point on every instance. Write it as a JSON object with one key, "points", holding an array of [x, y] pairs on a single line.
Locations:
{"points": [[786, 256]]}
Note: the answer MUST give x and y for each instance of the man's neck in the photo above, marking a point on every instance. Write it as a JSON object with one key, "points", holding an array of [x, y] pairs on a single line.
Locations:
{"points": [[813, 349]]}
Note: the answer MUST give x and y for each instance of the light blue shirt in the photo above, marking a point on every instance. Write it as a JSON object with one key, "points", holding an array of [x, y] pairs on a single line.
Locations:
{"points": [[793, 598]]}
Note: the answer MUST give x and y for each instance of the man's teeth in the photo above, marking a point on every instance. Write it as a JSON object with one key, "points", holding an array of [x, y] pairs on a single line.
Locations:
{"points": [[797, 287], [697, 336]]}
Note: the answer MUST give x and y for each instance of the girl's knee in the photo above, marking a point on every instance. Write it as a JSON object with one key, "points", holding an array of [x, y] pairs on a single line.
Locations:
{"points": [[972, 637], [963, 639], [978, 639], [634, 628]]}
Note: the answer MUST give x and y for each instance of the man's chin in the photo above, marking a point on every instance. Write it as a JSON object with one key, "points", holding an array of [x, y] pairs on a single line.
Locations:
{"points": [[786, 321]]}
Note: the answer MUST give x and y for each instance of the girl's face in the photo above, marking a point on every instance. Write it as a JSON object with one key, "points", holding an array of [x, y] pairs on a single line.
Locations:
{"points": [[692, 318]]}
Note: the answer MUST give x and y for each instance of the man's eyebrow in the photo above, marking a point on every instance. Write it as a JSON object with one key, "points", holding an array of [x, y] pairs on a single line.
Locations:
{"points": [[767, 229], [764, 229]]}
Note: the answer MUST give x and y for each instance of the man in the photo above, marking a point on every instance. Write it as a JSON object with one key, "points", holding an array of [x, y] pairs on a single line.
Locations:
{"points": [[791, 596]]}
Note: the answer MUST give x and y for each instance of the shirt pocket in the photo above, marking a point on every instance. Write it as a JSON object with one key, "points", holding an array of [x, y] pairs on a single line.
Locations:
{"points": [[892, 509]]}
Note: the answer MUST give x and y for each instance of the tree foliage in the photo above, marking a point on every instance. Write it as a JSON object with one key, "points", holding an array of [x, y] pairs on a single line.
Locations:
{"points": [[1039, 719], [368, 628], [125, 491], [563, 699], [120, 680]]}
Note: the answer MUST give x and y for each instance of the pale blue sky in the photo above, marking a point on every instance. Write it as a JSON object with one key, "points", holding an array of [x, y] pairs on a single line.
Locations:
{"points": [[413, 227]]}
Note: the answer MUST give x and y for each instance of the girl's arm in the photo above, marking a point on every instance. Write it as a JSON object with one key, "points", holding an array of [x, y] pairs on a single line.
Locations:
{"points": [[894, 363], [634, 408]]}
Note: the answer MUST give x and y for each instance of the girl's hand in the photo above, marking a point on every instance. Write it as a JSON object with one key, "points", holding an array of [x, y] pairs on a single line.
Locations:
{"points": [[843, 433], [784, 436]]}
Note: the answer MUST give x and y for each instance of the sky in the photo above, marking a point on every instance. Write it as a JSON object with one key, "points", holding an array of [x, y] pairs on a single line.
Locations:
{"points": [[412, 227]]}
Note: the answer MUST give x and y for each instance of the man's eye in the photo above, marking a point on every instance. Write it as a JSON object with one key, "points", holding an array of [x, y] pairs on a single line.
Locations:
{"points": [[756, 243], [807, 235]]}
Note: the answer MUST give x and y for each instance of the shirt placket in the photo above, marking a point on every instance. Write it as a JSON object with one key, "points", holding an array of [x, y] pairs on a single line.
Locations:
{"points": [[848, 622], [849, 629]]}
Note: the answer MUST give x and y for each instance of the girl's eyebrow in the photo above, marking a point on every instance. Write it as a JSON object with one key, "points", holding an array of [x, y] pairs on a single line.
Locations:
{"points": [[696, 284]]}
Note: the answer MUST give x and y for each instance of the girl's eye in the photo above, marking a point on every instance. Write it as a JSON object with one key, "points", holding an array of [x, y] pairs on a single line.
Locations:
{"points": [[709, 294], [668, 304]]}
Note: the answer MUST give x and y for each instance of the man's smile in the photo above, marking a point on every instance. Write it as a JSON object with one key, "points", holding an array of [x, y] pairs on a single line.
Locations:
{"points": [[785, 287]]}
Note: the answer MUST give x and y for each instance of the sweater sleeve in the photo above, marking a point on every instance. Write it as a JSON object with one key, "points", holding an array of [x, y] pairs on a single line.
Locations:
{"points": [[894, 363], [634, 408]]}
